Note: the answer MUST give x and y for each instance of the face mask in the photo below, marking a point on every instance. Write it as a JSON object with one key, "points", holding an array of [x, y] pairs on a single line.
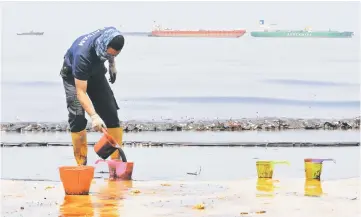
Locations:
{"points": [[105, 56]]}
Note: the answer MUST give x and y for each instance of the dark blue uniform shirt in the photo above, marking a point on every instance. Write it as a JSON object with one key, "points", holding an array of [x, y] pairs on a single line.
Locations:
{"points": [[82, 59]]}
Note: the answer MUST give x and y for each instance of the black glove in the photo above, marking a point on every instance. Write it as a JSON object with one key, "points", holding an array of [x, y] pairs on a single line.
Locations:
{"points": [[112, 73]]}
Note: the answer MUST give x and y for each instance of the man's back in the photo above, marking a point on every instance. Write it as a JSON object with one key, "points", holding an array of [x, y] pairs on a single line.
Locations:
{"points": [[82, 52]]}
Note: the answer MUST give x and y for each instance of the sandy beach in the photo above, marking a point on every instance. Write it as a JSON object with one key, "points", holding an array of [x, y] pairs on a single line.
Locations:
{"points": [[243, 197]]}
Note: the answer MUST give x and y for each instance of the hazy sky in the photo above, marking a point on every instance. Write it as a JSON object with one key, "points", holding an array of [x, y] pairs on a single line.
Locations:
{"points": [[80, 17]]}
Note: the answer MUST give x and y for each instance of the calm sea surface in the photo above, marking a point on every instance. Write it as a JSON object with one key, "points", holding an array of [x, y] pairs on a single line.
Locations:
{"points": [[188, 77], [199, 78]]}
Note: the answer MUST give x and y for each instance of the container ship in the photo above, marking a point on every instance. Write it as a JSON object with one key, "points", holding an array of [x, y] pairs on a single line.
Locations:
{"points": [[306, 33], [31, 33], [158, 31]]}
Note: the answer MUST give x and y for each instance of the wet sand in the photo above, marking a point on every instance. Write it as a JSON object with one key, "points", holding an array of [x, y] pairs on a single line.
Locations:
{"points": [[242, 197]]}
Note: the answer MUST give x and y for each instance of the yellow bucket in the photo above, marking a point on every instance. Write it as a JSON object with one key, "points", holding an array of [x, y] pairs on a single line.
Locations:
{"points": [[313, 188], [265, 168], [313, 168]]}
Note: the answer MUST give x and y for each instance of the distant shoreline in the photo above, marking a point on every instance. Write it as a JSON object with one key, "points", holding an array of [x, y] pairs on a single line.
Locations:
{"points": [[245, 124]]}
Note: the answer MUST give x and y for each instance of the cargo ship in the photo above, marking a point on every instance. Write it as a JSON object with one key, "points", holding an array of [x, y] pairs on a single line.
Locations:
{"points": [[306, 33], [31, 33], [158, 31], [135, 33]]}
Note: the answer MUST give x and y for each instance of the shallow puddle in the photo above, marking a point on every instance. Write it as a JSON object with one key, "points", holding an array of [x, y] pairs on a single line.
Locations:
{"points": [[182, 163]]}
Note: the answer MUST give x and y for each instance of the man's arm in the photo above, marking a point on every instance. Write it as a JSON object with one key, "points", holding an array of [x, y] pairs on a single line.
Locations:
{"points": [[81, 68], [81, 87]]}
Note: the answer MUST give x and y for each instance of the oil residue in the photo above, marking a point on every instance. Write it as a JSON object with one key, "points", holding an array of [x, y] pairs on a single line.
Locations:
{"points": [[106, 201]]}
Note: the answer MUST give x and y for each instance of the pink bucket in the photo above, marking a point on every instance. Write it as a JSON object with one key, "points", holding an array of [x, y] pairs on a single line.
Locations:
{"points": [[119, 170]]}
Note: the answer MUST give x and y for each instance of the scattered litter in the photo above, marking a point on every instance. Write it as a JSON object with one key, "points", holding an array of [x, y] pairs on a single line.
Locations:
{"points": [[165, 184], [255, 212], [199, 206], [135, 191], [103, 172], [196, 173], [49, 187]]}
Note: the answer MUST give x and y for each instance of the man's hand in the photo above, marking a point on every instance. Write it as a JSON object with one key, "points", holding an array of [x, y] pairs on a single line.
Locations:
{"points": [[112, 73], [112, 70], [97, 123]]}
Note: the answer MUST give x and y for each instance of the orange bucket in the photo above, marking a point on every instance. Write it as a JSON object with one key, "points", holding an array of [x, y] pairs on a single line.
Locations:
{"points": [[107, 146], [76, 179]]}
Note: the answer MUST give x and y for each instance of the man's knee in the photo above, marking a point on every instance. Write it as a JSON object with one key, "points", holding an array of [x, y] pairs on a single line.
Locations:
{"points": [[113, 125], [77, 123], [107, 108], [111, 119], [77, 120]]}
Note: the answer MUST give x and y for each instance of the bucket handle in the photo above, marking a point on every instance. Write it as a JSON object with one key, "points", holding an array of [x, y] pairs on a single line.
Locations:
{"points": [[112, 140], [117, 146], [328, 159], [281, 162], [100, 160]]}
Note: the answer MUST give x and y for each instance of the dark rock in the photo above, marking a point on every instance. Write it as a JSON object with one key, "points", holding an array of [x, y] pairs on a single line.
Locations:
{"points": [[268, 124], [330, 126], [36, 144]]}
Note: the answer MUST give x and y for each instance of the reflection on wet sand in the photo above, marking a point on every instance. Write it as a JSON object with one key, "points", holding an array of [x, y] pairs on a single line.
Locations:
{"points": [[106, 201], [109, 200], [77, 205], [177, 198], [266, 186], [313, 188]]}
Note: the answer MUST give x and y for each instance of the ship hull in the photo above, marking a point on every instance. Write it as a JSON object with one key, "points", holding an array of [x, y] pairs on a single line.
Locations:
{"points": [[205, 34], [36, 33], [302, 34]]}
